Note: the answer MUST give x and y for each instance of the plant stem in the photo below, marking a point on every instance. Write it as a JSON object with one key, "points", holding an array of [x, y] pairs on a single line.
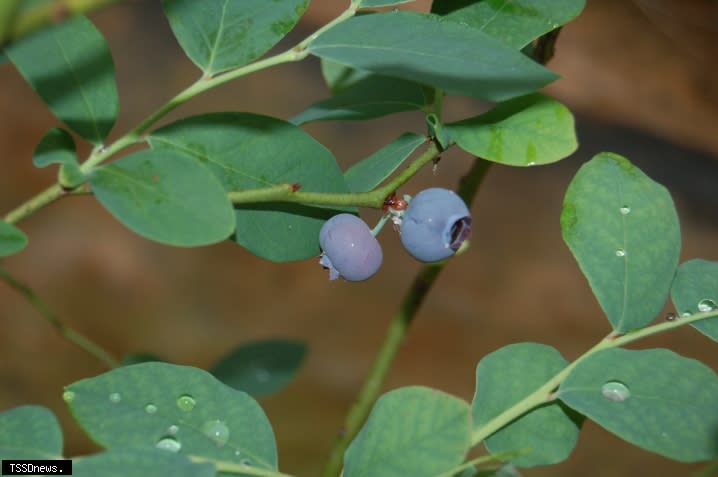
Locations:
{"points": [[64, 330], [395, 335], [235, 468], [35, 203], [545, 393]]}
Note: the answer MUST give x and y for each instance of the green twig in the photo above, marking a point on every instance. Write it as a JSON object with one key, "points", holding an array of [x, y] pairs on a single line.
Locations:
{"points": [[64, 330], [545, 393], [394, 337]]}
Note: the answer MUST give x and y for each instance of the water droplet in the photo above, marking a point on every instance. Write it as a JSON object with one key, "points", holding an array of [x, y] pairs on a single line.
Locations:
{"points": [[186, 402], [246, 462], [262, 375], [237, 453], [532, 163], [620, 252], [625, 210], [671, 316], [615, 391], [686, 314], [173, 430], [150, 409], [217, 431], [706, 305], [115, 398], [68, 396], [169, 443]]}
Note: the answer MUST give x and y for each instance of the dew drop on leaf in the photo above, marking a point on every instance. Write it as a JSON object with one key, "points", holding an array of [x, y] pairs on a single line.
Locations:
{"points": [[246, 462], [186, 402], [169, 443], [217, 431], [670, 316], [150, 409], [706, 305], [620, 252], [68, 396], [625, 210], [115, 398], [173, 430], [615, 391], [686, 314]]}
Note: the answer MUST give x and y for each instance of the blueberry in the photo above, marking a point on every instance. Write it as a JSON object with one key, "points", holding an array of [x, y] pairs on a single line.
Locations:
{"points": [[435, 225], [349, 248]]}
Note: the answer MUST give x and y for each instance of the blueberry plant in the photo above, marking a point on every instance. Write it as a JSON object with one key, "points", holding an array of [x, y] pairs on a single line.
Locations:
{"points": [[266, 184]]}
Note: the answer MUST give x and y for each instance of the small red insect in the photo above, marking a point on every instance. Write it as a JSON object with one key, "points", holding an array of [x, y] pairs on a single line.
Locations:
{"points": [[394, 203]]}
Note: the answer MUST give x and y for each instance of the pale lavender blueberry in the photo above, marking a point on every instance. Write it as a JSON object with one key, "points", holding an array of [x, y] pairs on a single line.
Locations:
{"points": [[349, 249], [435, 224]]}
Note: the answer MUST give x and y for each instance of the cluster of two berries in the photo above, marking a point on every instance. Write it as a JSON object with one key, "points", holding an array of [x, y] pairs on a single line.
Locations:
{"points": [[432, 228]]}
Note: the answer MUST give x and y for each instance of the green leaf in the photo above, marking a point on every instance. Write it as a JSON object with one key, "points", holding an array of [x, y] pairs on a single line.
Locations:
{"points": [[69, 65], [368, 98], [262, 367], [524, 131], [218, 35], [58, 147], [173, 408], [655, 399], [139, 463], [423, 48], [515, 22], [503, 378], [379, 3], [695, 289], [12, 239], [370, 172], [413, 431], [249, 151], [29, 432], [340, 77], [165, 196], [623, 230]]}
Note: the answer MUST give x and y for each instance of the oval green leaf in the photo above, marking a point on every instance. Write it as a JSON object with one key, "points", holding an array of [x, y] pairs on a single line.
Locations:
{"points": [[514, 22], [58, 147], [423, 48], [249, 151], [623, 230], [371, 97], [695, 289], [173, 408], [12, 239], [545, 435], [525, 131], [165, 196], [29, 432], [413, 431], [370, 172], [218, 35], [69, 65], [262, 367], [655, 399], [139, 463]]}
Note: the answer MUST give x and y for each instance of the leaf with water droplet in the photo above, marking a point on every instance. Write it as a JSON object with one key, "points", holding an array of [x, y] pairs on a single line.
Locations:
{"points": [[419, 431], [632, 289], [696, 281], [29, 432], [218, 35], [12, 239], [506, 376], [261, 367], [128, 424], [514, 23], [529, 130], [139, 463], [216, 431], [657, 400], [186, 402]]}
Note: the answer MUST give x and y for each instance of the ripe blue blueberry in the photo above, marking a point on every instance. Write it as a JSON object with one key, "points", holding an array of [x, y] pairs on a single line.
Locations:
{"points": [[349, 248], [435, 224]]}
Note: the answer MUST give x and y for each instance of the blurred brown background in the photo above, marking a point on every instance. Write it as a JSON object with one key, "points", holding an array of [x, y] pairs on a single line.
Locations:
{"points": [[641, 77]]}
